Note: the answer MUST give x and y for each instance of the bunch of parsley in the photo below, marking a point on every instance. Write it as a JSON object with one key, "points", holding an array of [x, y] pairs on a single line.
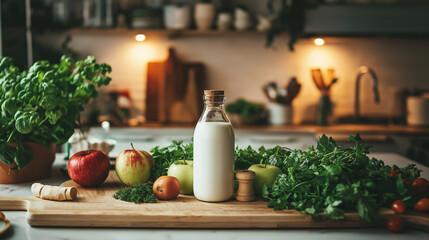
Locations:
{"points": [[164, 157], [244, 158], [331, 179], [141, 193], [43, 104]]}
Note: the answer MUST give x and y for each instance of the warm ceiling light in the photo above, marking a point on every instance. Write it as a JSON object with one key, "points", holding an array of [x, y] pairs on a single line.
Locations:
{"points": [[319, 41], [140, 37]]}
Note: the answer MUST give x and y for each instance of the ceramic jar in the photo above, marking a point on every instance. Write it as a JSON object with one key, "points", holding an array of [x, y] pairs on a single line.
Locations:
{"points": [[177, 17], [224, 21], [242, 20], [204, 15]]}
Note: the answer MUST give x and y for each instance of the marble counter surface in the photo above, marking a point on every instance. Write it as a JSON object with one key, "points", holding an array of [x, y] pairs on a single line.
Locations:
{"points": [[21, 230]]}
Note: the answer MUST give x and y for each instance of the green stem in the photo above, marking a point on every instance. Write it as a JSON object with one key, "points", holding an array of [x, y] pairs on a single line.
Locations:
{"points": [[299, 184], [10, 136]]}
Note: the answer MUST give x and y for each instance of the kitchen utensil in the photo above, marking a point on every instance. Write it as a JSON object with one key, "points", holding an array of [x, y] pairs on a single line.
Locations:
{"points": [[95, 207], [329, 77], [282, 95], [318, 78], [323, 84], [271, 92], [292, 90], [332, 83]]}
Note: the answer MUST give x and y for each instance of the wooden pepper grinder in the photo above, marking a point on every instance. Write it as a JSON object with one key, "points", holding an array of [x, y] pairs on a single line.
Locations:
{"points": [[245, 191]]}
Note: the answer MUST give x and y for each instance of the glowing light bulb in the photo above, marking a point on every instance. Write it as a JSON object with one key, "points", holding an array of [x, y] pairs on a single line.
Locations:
{"points": [[140, 37], [319, 41]]}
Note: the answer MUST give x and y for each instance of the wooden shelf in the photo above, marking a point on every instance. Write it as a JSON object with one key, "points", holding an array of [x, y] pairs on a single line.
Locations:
{"points": [[167, 32], [316, 129]]}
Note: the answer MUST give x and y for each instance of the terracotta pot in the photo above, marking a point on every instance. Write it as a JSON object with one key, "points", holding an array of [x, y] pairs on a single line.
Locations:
{"points": [[39, 167]]}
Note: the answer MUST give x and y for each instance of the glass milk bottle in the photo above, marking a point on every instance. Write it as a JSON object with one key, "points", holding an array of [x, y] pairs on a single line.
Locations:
{"points": [[214, 151]]}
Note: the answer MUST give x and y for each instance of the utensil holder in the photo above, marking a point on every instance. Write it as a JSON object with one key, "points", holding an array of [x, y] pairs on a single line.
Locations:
{"points": [[280, 114]]}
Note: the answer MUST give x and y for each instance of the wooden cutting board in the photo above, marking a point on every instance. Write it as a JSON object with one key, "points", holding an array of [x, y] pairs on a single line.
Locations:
{"points": [[169, 95], [95, 207]]}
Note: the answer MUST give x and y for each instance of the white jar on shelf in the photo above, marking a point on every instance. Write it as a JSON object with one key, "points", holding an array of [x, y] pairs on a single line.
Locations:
{"points": [[204, 15], [177, 16]]}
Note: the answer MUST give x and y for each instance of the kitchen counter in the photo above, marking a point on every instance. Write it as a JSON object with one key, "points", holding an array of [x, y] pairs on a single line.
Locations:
{"points": [[336, 128], [21, 230]]}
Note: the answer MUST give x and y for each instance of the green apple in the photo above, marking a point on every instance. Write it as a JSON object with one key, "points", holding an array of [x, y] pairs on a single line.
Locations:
{"points": [[183, 170], [265, 174], [134, 166]]}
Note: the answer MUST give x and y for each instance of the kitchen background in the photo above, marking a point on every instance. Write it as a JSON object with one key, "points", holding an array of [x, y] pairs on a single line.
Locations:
{"points": [[241, 64]]}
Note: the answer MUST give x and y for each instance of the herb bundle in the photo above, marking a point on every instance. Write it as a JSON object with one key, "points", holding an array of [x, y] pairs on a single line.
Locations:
{"points": [[141, 193], [331, 179]]}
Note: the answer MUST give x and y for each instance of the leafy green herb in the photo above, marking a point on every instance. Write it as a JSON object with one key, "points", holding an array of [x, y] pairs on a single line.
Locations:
{"points": [[244, 158], [331, 179], [43, 104], [141, 193], [327, 178], [166, 156]]}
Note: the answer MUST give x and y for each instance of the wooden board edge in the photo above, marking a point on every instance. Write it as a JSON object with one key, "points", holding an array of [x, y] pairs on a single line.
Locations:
{"points": [[55, 218], [15, 203]]}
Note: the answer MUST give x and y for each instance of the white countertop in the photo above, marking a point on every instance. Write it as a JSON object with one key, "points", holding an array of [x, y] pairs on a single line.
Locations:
{"points": [[148, 139]]}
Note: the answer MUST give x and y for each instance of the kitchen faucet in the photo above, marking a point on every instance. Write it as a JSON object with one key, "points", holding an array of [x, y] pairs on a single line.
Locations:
{"points": [[362, 71]]}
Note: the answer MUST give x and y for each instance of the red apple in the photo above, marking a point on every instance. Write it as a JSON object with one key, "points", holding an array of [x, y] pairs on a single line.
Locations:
{"points": [[89, 168], [134, 166]]}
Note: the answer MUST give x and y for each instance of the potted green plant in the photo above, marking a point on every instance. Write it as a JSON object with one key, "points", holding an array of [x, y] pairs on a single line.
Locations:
{"points": [[243, 112], [40, 107]]}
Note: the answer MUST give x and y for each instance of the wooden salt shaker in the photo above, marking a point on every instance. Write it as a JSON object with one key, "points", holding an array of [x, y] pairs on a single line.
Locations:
{"points": [[245, 191]]}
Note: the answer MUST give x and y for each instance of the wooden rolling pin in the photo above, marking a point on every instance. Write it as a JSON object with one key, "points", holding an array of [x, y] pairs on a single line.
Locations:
{"points": [[54, 192]]}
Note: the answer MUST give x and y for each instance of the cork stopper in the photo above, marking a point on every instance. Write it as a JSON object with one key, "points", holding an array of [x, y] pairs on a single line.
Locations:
{"points": [[214, 95]]}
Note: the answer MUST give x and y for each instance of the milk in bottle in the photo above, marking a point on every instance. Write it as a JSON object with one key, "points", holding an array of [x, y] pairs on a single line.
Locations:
{"points": [[214, 151]]}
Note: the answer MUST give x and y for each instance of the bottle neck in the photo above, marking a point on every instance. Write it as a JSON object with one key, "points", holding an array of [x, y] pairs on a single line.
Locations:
{"points": [[208, 104], [214, 112]]}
